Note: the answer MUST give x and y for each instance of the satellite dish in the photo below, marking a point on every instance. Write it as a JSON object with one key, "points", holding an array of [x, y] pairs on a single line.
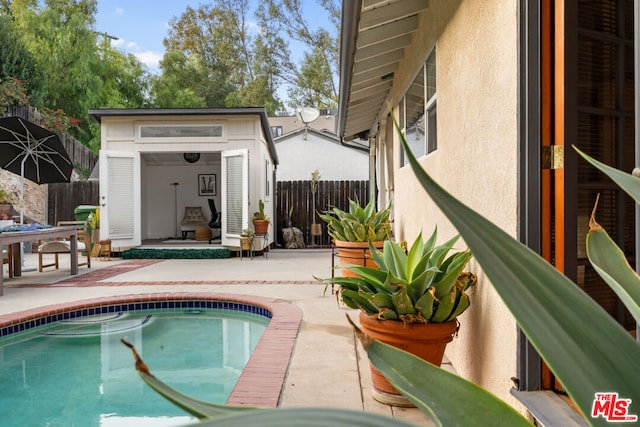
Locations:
{"points": [[307, 114]]}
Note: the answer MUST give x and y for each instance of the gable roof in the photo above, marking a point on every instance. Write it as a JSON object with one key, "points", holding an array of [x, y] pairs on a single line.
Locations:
{"points": [[354, 145], [98, 114], [374, 35]]}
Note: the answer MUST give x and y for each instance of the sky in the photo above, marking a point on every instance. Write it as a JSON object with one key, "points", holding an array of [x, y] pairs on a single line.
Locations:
{"points": [[141, 25]]}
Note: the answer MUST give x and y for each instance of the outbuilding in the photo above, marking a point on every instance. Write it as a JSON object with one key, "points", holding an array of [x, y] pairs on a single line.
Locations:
{"points": [[156, 162]]}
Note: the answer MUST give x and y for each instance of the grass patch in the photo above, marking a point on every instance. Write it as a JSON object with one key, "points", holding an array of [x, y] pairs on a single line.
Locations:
{"points": [[149, 253]]}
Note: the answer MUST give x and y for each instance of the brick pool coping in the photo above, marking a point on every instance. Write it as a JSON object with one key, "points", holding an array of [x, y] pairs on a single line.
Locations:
{"points": [[261, 381]]}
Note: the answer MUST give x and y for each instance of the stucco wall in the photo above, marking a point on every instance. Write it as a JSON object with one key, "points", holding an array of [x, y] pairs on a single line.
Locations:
{"points": [[476, 160]]}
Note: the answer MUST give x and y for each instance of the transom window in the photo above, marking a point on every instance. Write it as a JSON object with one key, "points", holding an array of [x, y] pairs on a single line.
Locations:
{"points": [[181, 131]]}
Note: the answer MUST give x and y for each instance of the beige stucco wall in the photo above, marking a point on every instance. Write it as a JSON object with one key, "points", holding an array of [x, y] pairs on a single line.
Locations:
{"points": [[476, 161]]}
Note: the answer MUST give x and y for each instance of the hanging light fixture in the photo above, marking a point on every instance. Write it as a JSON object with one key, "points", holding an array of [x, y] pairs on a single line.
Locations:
{"points": [[191, 157]]}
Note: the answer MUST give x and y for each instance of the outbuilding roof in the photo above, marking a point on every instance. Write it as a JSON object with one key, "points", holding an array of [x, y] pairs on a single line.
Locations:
{"points": [[98, 114]]}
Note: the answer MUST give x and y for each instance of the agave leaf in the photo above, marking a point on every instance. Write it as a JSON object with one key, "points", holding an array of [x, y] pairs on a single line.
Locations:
{"points": [[447, 399], [399, 259], [309, 417], [629, 183], [195, 407], [353, 283], [584, 347], [440, 252], [430, 244], [376, 255], [462, 303], [370, 209], [414, 256], [424, 304], [444, 308], [349, 234], [358, 300], [379, 300], [373, 276], [423, 282], [387, 314], [446, 281], [402, 301], [611, 264]]}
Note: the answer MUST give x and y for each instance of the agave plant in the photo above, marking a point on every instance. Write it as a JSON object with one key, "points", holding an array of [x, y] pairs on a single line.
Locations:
{"points": [[423, 285], [359, 224]]}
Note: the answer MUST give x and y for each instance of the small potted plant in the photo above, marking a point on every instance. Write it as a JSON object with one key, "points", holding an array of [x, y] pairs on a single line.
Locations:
{"points": [[6, 205], [352, 232], [246, 237], [260, 219], [412, 301]]}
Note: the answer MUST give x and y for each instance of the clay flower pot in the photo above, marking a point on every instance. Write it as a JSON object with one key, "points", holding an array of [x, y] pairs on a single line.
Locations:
{"points": [[425, 340], [356, 253]]}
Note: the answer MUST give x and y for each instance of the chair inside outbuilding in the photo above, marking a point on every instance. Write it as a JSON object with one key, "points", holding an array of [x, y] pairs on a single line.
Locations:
{"points": [[57, 247], [215, 223], [192, 219]]}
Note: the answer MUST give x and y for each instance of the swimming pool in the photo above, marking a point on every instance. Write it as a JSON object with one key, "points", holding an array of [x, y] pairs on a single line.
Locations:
{"points": [[79, 334]]}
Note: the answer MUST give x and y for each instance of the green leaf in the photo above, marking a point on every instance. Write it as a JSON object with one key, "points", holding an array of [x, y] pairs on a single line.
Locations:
{"points": [[446, 398], [629, 183], [585, 348], [611, 264], [307, 417]]}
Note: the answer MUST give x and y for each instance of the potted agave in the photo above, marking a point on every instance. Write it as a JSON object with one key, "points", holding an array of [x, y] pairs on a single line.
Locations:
{"points": [[353, 232], [412, 301]]}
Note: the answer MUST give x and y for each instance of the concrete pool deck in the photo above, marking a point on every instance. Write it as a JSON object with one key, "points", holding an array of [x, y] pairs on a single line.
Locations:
{"points": [[327, 368]]}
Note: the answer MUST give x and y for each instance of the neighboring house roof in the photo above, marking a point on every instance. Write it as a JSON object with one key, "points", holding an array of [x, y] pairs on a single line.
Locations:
{"points": [[355, 145], [372, 47], [258, 111]]}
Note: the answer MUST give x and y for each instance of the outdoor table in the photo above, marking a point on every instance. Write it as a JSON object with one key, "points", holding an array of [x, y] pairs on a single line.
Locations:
{"points": [[14, 238]]}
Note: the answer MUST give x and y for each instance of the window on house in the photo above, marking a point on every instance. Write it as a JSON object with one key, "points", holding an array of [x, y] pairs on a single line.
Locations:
{"points": [[267, 178], [276, 131], [418, 111]]}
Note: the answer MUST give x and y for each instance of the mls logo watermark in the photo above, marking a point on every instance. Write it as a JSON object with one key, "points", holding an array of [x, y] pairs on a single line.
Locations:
{"points": [[612, 408]]}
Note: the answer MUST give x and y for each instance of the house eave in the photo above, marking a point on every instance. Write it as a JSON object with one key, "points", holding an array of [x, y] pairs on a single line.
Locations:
{"points": [[372, 48]]}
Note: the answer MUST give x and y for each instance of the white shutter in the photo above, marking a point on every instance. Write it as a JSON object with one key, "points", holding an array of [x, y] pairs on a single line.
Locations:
{"points": [[120, 199], [235, 195]]}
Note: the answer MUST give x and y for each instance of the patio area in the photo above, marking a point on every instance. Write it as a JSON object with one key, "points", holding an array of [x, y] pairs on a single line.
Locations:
{"points": [[327, 369]]}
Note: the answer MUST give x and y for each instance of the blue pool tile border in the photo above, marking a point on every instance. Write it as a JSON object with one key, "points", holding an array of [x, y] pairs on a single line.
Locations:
{"points": [[135, 306]]}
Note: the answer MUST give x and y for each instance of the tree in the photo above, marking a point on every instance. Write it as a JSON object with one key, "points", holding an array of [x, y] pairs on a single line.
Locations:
{"points": [[16, 62], [315, 83]]}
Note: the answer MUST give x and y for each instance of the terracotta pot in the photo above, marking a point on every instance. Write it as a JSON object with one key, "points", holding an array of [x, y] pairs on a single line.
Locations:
{"points": [[316, 229], [261, 226], [356, 253], [427, 341], [6, 210]]}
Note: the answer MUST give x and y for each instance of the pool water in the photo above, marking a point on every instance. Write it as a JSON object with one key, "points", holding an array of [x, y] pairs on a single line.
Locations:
{"points": [[78, 373]]}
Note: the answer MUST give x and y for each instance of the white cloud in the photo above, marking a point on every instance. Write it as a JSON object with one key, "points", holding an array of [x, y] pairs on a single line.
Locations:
{"points": [[119, 11], [150, 59]]}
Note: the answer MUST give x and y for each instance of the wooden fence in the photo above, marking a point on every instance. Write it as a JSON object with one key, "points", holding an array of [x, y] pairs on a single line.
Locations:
{"points": [[63, 199], [297, 194]]}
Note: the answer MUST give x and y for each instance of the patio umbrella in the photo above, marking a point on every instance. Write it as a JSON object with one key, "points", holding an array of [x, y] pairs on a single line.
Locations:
{"points": [[33, 152]]}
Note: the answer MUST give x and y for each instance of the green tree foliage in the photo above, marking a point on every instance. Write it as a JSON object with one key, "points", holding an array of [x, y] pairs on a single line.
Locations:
{"points": [[76, 68], [315, 82], [16, 62]]}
